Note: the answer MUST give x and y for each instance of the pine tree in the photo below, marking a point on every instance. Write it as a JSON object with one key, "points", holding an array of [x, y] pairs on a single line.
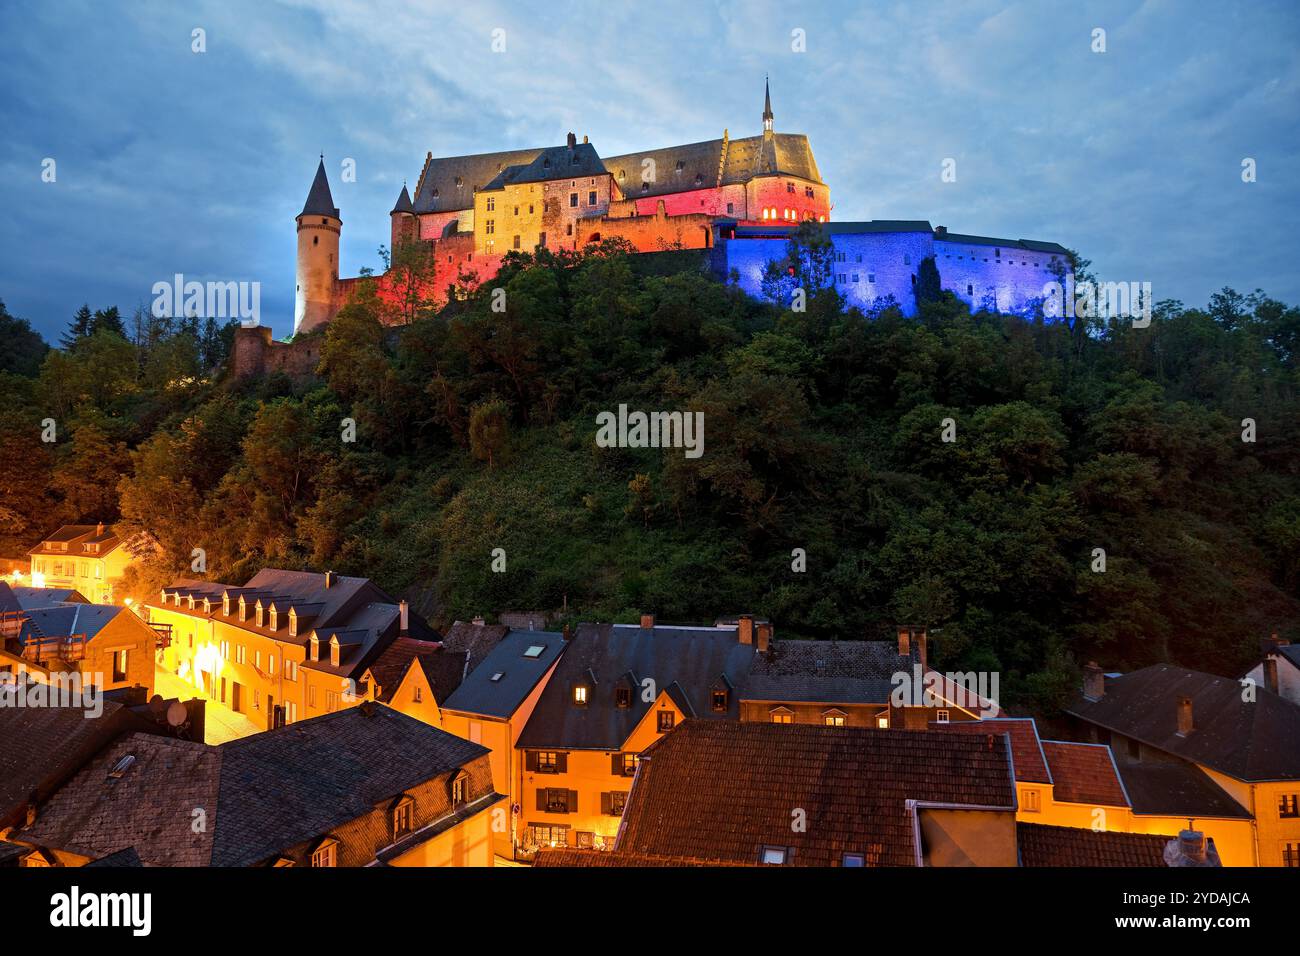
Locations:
{"points": [[78, 328], [108, 320], [928, 286]]}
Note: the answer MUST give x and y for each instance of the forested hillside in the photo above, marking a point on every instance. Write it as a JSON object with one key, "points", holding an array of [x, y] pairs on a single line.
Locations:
{"points": [[475, 431]]}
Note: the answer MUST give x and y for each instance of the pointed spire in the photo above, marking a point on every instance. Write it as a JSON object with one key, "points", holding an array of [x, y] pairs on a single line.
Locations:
{"points": [[319, 201], [767, 106], [404, 202]]}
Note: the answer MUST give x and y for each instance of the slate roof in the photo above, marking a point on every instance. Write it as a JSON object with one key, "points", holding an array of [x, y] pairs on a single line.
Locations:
{"points": [[76, 535], [1030, 245], [29, 598], [443, 669], [553, 162], [1084, 773], [1254, 742], [827, 671], [127, 857], [1177, 789], [1026, 748], [1291, 652], [603, 655], [319, 201], [67, 620], [263, 794], [478, 693], [9, 602], [403, 201], [476, 640], [1042, 845], [723, 789], [676, 168], [569, 857], [447, 184]]}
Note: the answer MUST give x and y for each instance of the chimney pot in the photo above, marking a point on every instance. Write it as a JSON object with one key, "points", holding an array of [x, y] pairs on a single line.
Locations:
{"points": [[745, 629], [1270, 673], [647, 622], [1094, 681], [764, 636], [904, 641], [1185, 724], [99, 528], [567, 634], [404, 612], [329, 580], [573, 141]]}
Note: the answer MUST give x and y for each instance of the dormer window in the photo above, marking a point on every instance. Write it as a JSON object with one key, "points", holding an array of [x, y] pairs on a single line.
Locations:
{"points": [[275, 620], [774, 855], [666, 721], [293, 623], [460, 789], [403, 817], [243, 609], [315, 648], [261, 614], [834, 717], [225, 604], [326, 854], [623, 696], [335, 654], [720, 697], [580, 695]]}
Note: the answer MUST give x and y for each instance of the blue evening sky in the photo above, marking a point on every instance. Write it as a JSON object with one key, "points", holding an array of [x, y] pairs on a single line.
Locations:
{"points": [[172, 161]]}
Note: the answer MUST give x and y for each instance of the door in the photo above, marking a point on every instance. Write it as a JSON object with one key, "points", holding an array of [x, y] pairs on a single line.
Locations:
{"points": [[270, 712], [235, 703]]}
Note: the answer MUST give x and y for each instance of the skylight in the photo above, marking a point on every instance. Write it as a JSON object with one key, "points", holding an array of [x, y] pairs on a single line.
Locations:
{"points": [[498, 675], [534, 651]]}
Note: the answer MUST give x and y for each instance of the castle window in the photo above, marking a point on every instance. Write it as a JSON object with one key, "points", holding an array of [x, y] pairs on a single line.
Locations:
{"points": [[516, 242], [789, 187], [591, 198], [871, 277], [645, 187], [970, 289], [568, 230], [490, 227], [324, 222], [573, 200], [315, 240], [491, 204], [731, 207]]}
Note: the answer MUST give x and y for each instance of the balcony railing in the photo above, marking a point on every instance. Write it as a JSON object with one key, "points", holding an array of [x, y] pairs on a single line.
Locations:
{"points": [[71, 648]]}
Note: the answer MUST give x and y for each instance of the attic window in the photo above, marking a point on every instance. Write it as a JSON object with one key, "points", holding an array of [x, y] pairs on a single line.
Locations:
{"points": [[122, 766], [435, 194], [460, 790], [854, 859], [326, 854], [666, 720], [645, 187], [623, 696], [580, 695], [546, 163], [720, 701], [698, 179], [680, 165], [403, 814], [773, 855], [621, 175], [497, 676], [534, 651]]}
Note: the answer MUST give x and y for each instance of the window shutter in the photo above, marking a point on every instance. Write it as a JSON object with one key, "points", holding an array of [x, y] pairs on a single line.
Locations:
{"points": [[561, 763], [530, 760], [616, 765], [573, 801], [541, 798], [606, 804]]}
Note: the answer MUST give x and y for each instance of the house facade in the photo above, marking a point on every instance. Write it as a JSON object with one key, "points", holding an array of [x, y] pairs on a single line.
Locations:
{"points": [[88, 558]]}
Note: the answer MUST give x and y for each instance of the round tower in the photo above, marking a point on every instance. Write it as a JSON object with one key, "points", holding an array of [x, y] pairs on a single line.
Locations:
{"points": [[405, 228], [319, 227]]}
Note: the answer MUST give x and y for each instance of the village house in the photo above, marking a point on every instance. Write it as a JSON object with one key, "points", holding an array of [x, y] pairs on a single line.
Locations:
{"points": [[89, 558], [493, 704], [366, 786], [415, 678], [1185, 740], [1278, 669], [286, 646], [73, 642]]}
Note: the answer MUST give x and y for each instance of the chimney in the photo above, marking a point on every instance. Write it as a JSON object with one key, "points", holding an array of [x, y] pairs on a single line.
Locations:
{"points": [[566, 633], [922, 647], [1094, 681], [1185, 725], [329, 580], [99, 529], [745, 629], [940, 230], [404, 616], [1191, 848], [584, 138], [764, 636], [647, 622], [31, 809], [478, 620], [904, 641], [573, 141], [1270, 673]]}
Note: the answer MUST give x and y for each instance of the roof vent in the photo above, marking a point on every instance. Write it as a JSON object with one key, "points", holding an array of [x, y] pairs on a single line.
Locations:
{"points": [[121, 767]]}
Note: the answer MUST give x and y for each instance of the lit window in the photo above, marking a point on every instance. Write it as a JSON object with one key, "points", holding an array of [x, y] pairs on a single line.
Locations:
{"points": [[719, 700], [119, 665], [548, 761], [833, 718], [1033, 801], [580, 696], [460, 790], [402, 818], [617, 803], [666, 720], [942, 716], [1287, 805], [325, 856], [1291, 854], [882, 722]]}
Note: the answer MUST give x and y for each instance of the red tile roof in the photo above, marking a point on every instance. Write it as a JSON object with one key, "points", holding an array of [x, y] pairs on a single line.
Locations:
{"points": [[1084, 773], [1071, 846], [607, 858], [722, 790], [1026, 748]]}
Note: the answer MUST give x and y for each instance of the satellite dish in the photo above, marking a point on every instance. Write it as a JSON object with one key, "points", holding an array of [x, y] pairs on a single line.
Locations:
{"points": [[177, 714]]}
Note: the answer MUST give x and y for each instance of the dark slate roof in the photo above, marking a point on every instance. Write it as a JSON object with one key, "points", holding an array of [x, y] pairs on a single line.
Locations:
{"points": [[1249, 741], [1291, 652], [447, 184], [67, 620], [1030, 245], [554, 162], [678, 167], [1042, 845], [478, 693], [29, 598], [126, 857], [404, 201], [1177, 789], [720, 790], [692, 657], [9, 602], [476, 640], [443, 669], [319, 201], [856, 672], [877, 226], [1084, 773], [1026, 747], [263, 794]]}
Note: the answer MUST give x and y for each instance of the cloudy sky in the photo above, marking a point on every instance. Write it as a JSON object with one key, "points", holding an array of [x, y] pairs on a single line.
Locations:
{"points": [[173, 161]]}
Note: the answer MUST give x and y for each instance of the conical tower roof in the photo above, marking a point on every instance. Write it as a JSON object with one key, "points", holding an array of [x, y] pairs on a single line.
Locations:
{"points": [[404, 202], [319, 201]]}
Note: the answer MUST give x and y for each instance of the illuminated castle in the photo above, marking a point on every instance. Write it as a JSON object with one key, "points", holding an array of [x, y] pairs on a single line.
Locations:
{"points": [[738, 197]]}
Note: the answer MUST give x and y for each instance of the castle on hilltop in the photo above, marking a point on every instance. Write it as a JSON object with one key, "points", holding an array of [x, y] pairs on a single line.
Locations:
{"points": [[738, 198]]}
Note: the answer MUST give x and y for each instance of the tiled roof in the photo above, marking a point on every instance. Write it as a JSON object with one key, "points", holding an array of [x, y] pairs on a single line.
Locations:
{"points": [[262, 794], [856, 672], [507, 675], [1252, 741], [557, 857], [1042, 845], [1084, 773], [1026, 748], [476, 640], [443, 669], [602, 656], [127, 857], [1176, 789], [721, 790]]}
